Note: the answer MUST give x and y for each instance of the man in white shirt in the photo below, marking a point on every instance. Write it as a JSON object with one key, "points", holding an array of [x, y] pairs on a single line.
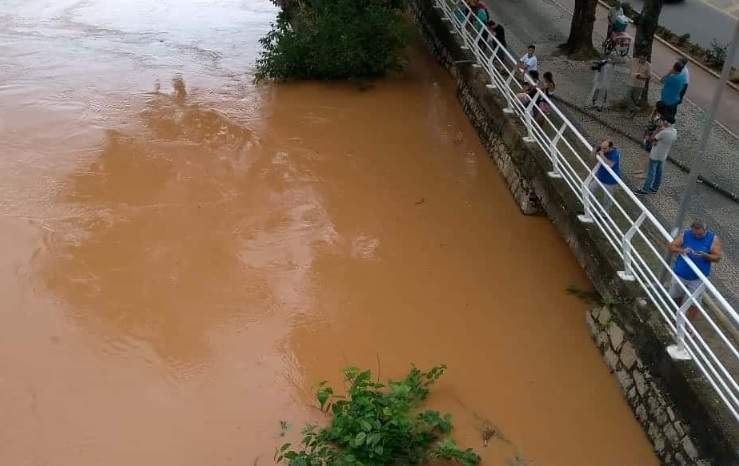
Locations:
{"points": [[664, 138], [685, 72], [528, 62]]}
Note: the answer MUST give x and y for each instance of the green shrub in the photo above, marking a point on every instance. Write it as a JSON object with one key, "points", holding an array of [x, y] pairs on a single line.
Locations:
{"points": [[716, 55], [377, 425], [334, 39]]}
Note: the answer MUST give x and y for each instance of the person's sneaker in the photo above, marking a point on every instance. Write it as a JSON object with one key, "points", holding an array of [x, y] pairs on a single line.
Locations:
{"points": [[653, 191], [641, 192]]}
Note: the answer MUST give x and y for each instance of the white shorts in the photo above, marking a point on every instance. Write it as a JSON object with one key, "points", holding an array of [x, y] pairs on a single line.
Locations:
{"points": [[676, 291]]}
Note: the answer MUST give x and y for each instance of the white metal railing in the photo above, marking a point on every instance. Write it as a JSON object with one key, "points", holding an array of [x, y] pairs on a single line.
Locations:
{"points": [[635, 235]]}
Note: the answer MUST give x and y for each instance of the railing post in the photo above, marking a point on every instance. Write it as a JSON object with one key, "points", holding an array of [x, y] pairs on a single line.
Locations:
{"points": [[509, 108], [491, 64], [464, 33], [496, 77], [478, 38], [679, 351], [554, 153], [627, 274], [586, 217], [528, 117]]}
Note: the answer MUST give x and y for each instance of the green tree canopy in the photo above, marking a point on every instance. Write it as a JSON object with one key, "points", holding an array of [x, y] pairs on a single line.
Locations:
{"points": [[334, 39]]}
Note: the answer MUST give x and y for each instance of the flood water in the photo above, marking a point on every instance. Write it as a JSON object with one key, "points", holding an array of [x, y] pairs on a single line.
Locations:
{"points": [[185, 254]]}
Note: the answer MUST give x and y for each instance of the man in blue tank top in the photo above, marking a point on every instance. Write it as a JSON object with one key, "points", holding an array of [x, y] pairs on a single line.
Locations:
{"points": [[702, 247], [602, 179]]}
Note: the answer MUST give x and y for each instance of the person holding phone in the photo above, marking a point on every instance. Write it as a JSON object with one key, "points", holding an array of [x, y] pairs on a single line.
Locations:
{"points": [[607, 155], [528, 62], [702, 247]]}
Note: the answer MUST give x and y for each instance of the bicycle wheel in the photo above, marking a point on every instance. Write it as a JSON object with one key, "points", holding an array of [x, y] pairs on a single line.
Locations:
{"points": [[607, 47]]}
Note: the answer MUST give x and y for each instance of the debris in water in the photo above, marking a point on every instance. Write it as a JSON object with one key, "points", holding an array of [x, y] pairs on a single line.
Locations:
{"points": [[587, 296], [284, 426], [180, 90], [421, 201], [488, 432], [517, 461]]}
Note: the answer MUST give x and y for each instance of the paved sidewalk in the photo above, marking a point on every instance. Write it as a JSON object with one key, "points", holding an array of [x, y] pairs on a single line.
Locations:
{"points": [[546, 24], [702, 83]]}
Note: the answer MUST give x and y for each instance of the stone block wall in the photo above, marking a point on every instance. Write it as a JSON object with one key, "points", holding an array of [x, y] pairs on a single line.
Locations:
{"points": [[652, 406]]}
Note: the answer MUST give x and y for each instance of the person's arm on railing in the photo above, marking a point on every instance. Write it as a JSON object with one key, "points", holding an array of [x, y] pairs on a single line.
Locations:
{"points": [[715, 254], [676, 246], [598, 151], [520, 66]]}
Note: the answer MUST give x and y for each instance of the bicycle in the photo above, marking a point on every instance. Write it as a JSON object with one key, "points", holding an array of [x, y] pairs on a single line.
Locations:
{"points": [[618, 42]]}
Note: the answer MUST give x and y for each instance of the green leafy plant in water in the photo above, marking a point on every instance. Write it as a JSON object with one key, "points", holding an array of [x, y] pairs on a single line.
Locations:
{"points": [[334, 39], [593, 297], [377, 424]]}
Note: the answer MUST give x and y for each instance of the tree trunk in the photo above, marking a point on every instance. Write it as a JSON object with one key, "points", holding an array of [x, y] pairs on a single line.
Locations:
{"points": [[647, 23], [646, 27], [580, 43]]}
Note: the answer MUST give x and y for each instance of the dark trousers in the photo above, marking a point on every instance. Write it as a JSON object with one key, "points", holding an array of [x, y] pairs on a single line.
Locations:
{"points": [[666, 111]]}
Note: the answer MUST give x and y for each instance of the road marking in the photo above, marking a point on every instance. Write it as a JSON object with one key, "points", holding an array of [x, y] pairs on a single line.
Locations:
{"points": [[730, 8], [733, 9]]}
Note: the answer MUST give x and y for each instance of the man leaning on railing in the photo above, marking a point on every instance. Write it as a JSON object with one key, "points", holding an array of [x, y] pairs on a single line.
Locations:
{"points": [[703, 247], [602, 180]]}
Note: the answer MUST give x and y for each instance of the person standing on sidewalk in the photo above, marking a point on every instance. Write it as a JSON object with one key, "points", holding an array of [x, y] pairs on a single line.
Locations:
{"points": [[686, 75], [547, 87], [672, 85], [613, 12], [701, 246], [528, 92], [602, 179], [601, 84], [499, 33], [480, 10], [663, 140], [528, 62], [640, 71]]}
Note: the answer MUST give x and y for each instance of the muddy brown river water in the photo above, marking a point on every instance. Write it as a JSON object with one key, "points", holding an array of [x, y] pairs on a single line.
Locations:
{"points": [[185, 255]]}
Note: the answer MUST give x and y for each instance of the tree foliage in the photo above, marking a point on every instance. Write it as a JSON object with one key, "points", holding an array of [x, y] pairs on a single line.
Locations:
{"points": [[378, 425], [334, 39]]}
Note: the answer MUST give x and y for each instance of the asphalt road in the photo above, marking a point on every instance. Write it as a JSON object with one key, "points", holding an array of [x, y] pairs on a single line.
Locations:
{"points": [[703, 21]]}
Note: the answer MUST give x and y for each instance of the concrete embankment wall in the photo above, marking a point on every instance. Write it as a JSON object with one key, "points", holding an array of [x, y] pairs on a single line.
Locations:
{"points": [[673, 403]]}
